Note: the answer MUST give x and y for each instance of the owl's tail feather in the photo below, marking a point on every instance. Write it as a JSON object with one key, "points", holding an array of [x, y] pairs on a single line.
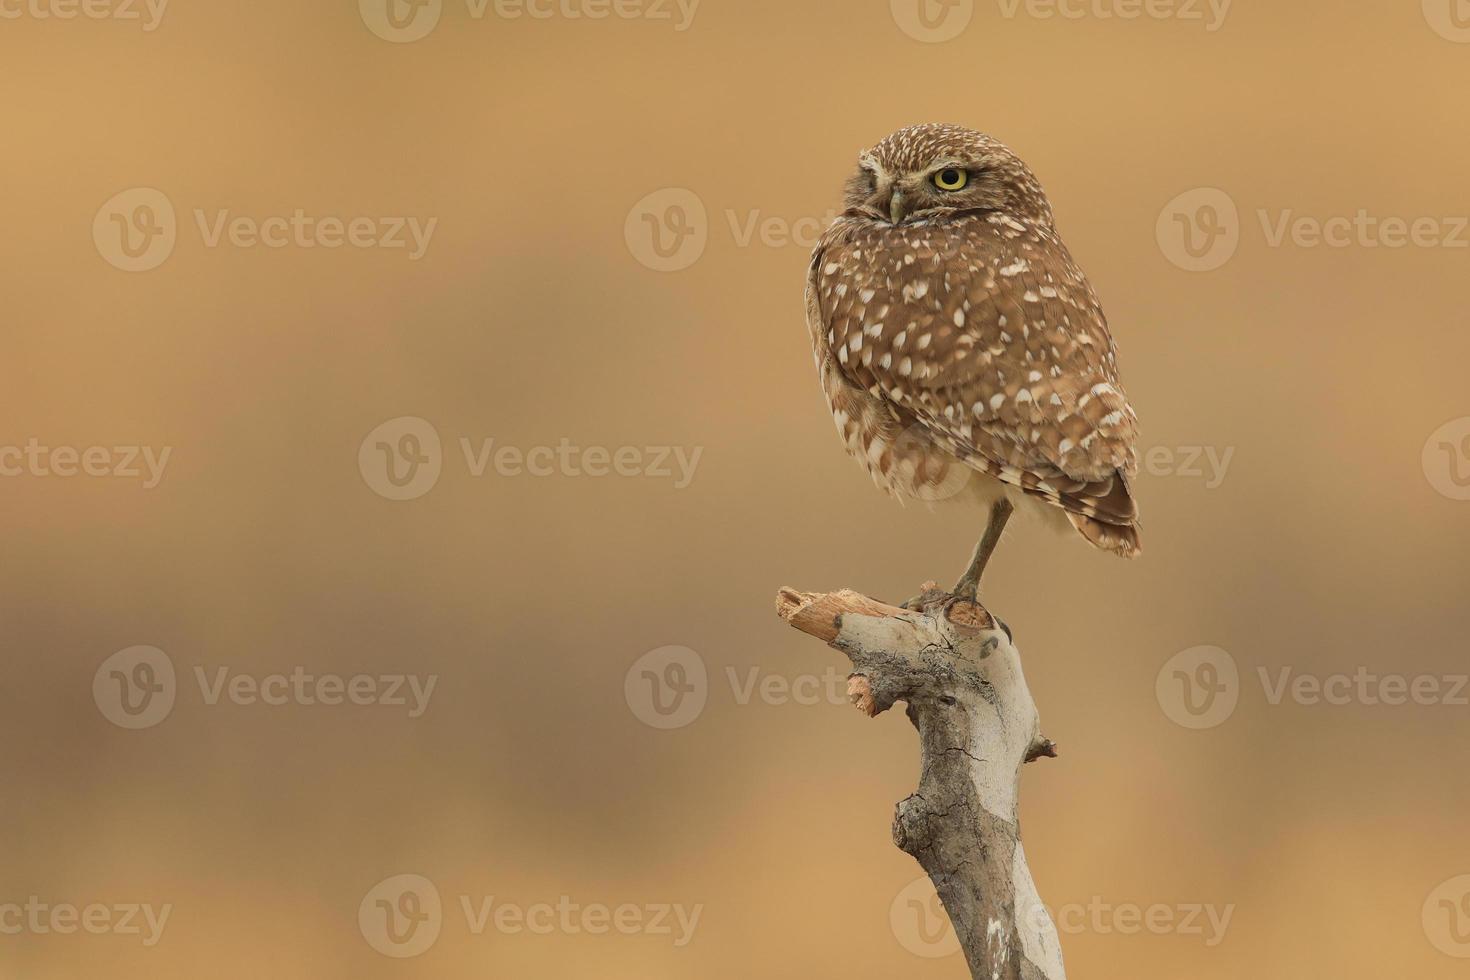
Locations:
{"points": [[1120, 539]]}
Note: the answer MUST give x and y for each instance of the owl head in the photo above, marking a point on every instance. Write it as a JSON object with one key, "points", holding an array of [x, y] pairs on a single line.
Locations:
{"points": [[934, 172]]}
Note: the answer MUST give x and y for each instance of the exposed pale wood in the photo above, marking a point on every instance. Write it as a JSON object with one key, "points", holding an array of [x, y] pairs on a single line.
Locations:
{"points": [[819, 614]]}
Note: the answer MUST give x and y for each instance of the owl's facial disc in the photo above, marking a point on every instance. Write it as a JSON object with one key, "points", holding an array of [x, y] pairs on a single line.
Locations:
{"points": [[945, 186], [879, 194], [941, 172], [929, 193]]}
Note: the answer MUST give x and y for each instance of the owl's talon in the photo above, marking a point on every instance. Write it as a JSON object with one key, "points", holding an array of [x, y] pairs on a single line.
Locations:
{"points": [[929, 594]]}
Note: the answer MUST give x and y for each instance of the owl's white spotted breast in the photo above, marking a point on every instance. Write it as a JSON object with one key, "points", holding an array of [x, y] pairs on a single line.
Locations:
{"points": [[972, 339]]}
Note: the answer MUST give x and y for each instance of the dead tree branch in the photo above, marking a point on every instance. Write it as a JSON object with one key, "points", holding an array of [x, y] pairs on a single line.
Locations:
{"points": [[955, 666]]}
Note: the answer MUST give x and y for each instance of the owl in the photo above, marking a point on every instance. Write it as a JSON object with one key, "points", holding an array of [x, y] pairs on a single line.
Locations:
{"points": [[962, 351]]}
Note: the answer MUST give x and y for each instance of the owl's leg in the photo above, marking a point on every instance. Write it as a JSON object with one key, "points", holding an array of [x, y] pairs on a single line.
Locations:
{"points": [[968, 587]]}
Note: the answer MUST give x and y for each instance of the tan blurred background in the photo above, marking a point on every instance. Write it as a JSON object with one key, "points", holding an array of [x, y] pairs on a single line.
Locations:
{"points": [[1332, 542]]}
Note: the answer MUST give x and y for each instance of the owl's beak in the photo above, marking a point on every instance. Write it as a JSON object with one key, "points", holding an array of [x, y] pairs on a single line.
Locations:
{"points": [[895, 206]]}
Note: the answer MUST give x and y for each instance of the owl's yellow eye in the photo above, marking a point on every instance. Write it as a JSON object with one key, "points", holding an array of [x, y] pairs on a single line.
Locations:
{"points": [[951, 179]]}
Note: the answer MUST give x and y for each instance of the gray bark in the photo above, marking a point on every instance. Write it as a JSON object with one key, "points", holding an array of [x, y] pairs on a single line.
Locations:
{"points": [[958, 671]]}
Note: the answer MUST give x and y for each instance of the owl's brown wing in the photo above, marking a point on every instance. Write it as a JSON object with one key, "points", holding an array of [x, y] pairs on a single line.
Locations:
{"points": [[985, 330], [867, 425]]}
